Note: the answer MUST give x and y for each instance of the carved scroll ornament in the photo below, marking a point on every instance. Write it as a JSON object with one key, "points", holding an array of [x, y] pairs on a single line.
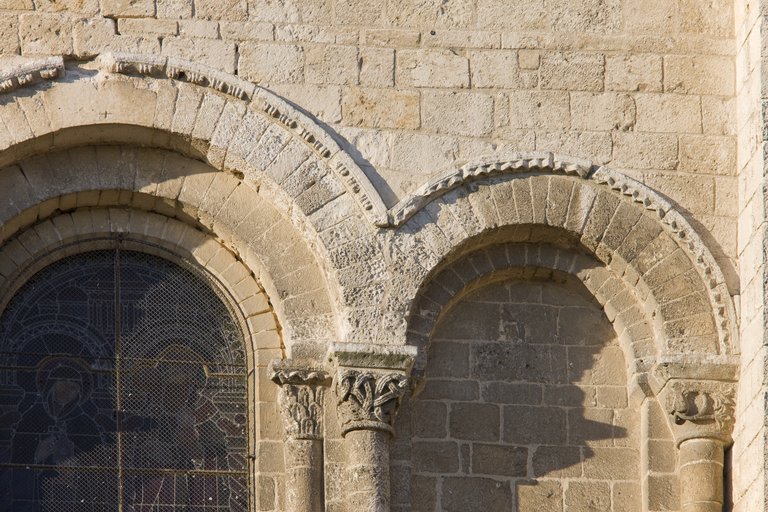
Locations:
{"points": [[369, 401]]}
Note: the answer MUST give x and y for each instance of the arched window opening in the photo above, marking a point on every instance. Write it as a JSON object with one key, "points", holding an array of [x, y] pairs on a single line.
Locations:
{"points": [[122, 388]]}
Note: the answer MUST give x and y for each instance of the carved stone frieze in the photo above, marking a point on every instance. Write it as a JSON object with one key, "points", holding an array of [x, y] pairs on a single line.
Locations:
{"points": [[700, 409], [369, 400], [301, 396]]}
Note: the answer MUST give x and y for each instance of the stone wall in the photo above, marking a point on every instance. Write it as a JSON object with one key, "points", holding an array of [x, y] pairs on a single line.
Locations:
{"points": [[485, 251], [524, 408]]}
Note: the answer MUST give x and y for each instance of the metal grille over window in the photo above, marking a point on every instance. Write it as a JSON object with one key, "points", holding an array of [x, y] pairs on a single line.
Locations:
{"points": [[122, 388]]}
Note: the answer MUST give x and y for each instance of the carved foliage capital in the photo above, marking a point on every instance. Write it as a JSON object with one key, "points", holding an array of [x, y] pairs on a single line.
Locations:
{"points": [[701, 408], [301, 401], [369, 400]]}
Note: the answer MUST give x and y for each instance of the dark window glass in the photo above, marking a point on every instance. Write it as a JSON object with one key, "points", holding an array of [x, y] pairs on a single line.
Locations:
{"points": [[122, 388]]}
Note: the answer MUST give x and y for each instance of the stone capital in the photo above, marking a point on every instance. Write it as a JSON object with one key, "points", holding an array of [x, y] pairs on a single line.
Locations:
{"points": [[301, 395], [369, 400], [699, 409], [370, 383]]}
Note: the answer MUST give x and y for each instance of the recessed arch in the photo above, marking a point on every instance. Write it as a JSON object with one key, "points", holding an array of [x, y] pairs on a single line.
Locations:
{"points": [[626, 225], [129, 180]]}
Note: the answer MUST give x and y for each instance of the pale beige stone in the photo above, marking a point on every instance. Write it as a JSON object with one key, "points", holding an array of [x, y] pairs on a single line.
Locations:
{"points": [[381, 108], [516, 15], [460, 113], [668, 113], [323, 101], [271, 63], [331, 65], [699, 75], [232, 10], [602, 111], [128, 8], [572, 71], [633, 73], [150, 26], [431, 68], [377, 67], [543, 110], [45, 34], [95, 36], [174, 9], [275, 11], [595, 16], [431, 13], [396, 38], [217, 54]]}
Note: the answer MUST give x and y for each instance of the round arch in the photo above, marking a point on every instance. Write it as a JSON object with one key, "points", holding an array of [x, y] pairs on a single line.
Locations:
{"points": [[130, 180], [231, 125], [542, 197]]}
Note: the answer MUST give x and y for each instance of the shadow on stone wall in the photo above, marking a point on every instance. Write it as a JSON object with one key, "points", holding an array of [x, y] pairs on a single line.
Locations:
{"points": [[524, 407]]}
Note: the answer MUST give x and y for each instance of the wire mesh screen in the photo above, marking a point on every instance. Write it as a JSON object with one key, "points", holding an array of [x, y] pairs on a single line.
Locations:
{"points": [[122, 388]]}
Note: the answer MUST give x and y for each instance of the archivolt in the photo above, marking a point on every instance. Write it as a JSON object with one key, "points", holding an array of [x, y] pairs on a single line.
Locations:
{"points": [[127, 180], [626, 225]]}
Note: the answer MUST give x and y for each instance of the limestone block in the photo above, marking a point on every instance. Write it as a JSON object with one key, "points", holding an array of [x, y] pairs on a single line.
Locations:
{"points": [[431, 68], [245, 31], [462, 39], [175, 9], [541, 496], [128, 8], [587, 496], [474, 493], [710, 17], [422, 153], [86, 7], [95, 36], [431, 13], [708, 154], [9, 34], [271, 63], [460, 113], [528, 59], [323, 101], [377, 67], [587, 144], [276, 11], [17, 5], [148, 26], [651, 16], [699, 74], [645, 150], [390, 37], [359, 12], [497, 68], [543, 110], [638, 72], [591, 16], [668, 113], [718, 115], [381, 108], [572, 71], [214, 53], [604, 111], [331, 65], [493, 459], [514, 14], [695, 193], [45, 34], [233, 10]]}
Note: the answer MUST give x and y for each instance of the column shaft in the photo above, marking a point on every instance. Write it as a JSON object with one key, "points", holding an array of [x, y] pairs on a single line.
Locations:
{"points": [[304, 475], [701, 475], [368, 459]]}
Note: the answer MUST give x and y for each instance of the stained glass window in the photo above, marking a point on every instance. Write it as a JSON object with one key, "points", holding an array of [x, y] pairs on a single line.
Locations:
{"points": [[122, 388]]}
